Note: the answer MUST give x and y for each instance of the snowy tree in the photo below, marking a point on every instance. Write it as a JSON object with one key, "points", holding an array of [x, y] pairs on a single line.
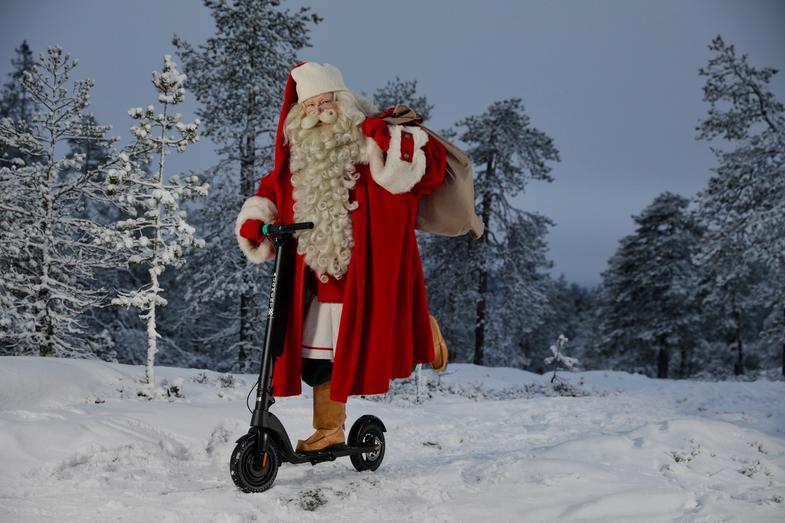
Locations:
{"points": [[48, 256], [402, 92], [120, 324], [94, 153], [650, 288], [728, 284], [238, 77], [558, 358], [507, 152], [16, 109], [209, 316], [15, 102], [156, 236], [743, 207], [451, 288], [518, 289], [571, 310]]}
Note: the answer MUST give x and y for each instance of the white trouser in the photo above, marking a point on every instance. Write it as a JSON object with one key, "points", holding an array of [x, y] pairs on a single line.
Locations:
{"points": [[320, 333]]}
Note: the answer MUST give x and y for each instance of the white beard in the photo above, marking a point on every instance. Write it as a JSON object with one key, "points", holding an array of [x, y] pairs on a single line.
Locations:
{"points": [[322, 165]]}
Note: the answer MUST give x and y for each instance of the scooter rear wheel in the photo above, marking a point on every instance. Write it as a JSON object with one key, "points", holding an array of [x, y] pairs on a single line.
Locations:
{"points": [[370, 434], [250, 471]]}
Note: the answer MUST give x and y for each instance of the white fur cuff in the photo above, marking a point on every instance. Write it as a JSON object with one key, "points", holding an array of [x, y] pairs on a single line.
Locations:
{"points": [[256, 208], [398, 175]]}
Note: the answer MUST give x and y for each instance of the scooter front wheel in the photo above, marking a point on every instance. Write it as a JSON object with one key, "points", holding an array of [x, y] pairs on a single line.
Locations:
{"points": [[368, 434], [252, 471]]}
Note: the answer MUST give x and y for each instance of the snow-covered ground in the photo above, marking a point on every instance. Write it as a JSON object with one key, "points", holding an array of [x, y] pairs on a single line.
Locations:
{"points": [[78, 444]]}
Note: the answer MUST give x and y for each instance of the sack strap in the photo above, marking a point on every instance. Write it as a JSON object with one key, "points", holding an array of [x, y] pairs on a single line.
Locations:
{"points": [[401, 114]]}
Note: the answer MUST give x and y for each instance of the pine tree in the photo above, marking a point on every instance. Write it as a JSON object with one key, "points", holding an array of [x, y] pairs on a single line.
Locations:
{"points": [[49, 256], [450, 279], [120, 325], [157, 237], [15, 101], [558, 358], [508, 152], [94, 153], [238, 76], [16, 110], [728, 284], [744, 204], [518, 289], [210, 317], [402, 92], [650, 289]]}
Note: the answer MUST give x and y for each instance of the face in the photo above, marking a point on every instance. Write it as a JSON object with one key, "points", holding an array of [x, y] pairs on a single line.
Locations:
{"points": [[320, 109]]}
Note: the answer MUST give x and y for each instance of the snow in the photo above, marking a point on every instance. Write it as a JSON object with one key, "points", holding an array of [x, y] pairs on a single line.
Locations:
{"points": [[78, 443]]}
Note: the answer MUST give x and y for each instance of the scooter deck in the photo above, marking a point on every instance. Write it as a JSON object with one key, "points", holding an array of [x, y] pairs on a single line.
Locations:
{"points": [[329, 454]]}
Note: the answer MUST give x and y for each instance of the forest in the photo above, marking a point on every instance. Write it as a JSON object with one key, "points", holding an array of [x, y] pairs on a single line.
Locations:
{"points": [[105, 253]]}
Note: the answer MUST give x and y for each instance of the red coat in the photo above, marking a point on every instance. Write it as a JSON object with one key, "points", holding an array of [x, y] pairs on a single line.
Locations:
{"points": [[385, 329]]}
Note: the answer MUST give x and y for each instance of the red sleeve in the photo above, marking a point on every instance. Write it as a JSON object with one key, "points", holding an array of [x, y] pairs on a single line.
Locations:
{"points": [[435, 165], [268, 187]]}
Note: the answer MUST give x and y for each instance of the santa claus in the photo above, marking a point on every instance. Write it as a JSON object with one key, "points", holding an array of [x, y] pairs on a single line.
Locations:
{"points": [[358, 316]]}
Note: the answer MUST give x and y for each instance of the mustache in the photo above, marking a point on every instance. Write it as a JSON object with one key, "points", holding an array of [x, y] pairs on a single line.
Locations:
{"points": [[309, 121]]}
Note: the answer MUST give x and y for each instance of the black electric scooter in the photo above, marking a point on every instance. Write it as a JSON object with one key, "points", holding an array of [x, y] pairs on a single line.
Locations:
{"points": [[258, 454]]}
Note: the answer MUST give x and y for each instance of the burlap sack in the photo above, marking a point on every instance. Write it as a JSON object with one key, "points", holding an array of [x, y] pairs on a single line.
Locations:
{"points": [[449, 210]]}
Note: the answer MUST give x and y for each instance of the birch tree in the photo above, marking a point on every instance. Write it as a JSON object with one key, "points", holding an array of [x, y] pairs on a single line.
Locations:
{"points": [[157, 232]]}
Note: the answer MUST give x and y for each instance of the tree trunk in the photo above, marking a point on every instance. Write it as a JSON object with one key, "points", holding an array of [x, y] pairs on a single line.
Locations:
{"points": [[526, 349], [738, 367], [155, 269], [46, 326], [246, 327], [482, 288], [152, 335], [683, 361], [247, 159], [479, 325], [662, 360]]}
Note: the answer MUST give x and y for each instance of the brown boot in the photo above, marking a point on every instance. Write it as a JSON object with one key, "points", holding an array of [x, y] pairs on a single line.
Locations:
{"points": [[328, 420], [439, 363]]}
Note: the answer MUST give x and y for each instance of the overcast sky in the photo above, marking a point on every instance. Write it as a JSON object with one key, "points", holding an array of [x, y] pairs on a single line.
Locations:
{"points": [[614, 82]]}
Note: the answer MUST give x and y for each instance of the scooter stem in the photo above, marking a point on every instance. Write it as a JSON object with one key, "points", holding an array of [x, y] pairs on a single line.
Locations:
{"points": [[277, 313]]}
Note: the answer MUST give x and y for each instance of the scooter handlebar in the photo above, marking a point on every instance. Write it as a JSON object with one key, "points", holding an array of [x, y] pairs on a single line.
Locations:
{"points": [[271, 229]]}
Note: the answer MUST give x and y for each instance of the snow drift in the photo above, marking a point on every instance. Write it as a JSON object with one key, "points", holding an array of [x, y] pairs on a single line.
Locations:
{"points": [[87, 441]]}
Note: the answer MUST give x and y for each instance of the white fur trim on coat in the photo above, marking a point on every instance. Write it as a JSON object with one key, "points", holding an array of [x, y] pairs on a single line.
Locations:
{"points": [[256, 208], [395, 174]]}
